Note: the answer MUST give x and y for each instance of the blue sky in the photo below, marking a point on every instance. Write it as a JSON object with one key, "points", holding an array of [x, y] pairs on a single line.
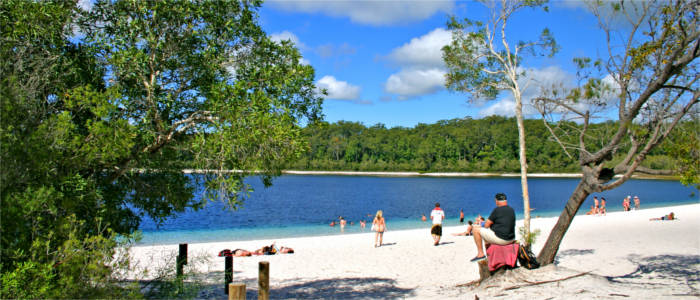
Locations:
{"points": [[381, 63]]}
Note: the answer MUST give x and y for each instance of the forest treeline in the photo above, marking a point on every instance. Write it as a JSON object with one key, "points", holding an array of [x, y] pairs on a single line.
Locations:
{"points": [[489, 144]]}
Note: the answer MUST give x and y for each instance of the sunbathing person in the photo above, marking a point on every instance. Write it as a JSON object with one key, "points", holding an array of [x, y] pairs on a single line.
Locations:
{"points": [[469, 230], [284, 250], [668, 217], [241, 252]]}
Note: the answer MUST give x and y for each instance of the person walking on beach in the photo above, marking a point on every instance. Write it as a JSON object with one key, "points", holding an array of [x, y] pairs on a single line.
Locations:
{"points": [[379, 226], [636, 203], [499, 227], [602, 210], [437, 215], [461, 216]]}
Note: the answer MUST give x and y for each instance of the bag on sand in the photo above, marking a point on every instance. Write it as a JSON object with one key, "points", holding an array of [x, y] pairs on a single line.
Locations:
{"points": [[526, 258]]}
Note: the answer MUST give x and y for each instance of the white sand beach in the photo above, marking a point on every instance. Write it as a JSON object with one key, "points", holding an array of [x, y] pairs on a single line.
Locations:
{"points": [[627, 256]]}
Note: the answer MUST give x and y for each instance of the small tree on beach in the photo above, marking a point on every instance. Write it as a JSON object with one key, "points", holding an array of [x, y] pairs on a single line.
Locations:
{"points": [[650, 75], [482, 62]]}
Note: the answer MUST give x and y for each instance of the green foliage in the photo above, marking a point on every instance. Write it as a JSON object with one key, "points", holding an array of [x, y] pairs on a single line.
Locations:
{"points": [[458, 145], [98, 126], [528, 237]]}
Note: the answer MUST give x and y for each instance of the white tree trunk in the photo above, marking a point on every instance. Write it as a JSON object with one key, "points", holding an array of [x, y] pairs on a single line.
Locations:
{"points": [[523, 163]]}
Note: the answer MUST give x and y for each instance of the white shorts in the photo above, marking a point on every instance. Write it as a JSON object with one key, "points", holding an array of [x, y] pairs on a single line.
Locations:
{"points": [[490, 237]]}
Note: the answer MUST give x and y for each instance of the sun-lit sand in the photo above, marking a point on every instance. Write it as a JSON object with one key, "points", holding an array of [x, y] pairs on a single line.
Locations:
{"points": [[625, 253]]}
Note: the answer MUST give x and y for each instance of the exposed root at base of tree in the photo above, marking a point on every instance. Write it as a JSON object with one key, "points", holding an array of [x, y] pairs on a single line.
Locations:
{"points": [[531, 283]]}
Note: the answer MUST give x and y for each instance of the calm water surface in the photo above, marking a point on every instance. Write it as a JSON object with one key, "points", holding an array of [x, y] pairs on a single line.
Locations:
{"points": [[299, 205]]}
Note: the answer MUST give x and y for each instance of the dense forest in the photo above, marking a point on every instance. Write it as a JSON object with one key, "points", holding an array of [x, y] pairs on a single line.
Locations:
{"points": [[458, 145]]}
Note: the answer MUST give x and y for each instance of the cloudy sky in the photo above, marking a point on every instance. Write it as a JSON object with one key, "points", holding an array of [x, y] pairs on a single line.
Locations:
{"points": [[380, 61]]}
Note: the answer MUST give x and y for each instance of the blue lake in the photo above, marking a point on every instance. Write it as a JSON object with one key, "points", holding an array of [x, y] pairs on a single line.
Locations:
{"points": [[299, 205]]}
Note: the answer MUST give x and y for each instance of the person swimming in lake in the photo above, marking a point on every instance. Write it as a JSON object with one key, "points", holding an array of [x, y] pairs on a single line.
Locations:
{"points": [[379, 226], [342, 223]]}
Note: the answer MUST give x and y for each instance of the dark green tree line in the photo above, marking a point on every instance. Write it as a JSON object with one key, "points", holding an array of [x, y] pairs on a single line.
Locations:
{"points": [[460, 145]]}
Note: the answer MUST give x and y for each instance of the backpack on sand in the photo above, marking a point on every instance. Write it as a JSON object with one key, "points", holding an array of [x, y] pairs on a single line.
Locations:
{"points": [[526, 258]]}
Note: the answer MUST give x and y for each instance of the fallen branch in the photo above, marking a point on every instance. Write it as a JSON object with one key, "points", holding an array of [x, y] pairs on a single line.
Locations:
{"points": [[543, 282]]}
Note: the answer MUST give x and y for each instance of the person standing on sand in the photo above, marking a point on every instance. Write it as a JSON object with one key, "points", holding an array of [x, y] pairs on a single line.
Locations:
{"points": [[499, 228], [602, 210], [636, 203], [437, 215], [461, 216], [596, 203], [379, 226]]}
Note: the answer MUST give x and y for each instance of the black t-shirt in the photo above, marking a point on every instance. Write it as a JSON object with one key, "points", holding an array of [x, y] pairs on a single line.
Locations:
{"points": [[503, 218]]}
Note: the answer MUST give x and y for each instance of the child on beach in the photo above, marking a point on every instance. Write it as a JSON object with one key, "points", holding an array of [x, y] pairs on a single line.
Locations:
{"points": [[379, 226]]}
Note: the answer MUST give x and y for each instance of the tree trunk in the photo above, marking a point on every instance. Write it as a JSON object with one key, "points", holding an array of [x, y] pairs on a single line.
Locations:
{"points": [[523, 164], [551, 247]]}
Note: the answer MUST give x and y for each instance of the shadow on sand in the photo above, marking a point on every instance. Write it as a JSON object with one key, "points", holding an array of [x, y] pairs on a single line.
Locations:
{"points": [[677, 270], [344, 288], [336, 288]]}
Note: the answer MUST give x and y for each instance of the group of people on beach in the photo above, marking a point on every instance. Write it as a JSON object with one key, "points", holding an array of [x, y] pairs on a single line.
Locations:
{"points": [[599, 207], [498, 228], [265, 250], [627, 203]]}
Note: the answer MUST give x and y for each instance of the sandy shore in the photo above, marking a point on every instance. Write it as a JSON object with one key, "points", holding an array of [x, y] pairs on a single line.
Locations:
{"points": [[627, 256]]}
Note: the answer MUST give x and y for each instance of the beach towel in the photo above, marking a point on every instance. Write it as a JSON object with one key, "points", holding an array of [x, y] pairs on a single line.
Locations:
{"points": [[502, 255]]}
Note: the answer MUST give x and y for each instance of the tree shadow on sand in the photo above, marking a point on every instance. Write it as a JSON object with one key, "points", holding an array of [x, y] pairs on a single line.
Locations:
{"points": [[572, 252], [344, 288], [664, 270], [336, 288]]}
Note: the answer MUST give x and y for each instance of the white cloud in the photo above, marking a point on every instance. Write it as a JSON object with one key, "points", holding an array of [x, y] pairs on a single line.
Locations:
{"points": [[425, 51], [371, 12], [287, 36], [415, 82], [504, 107], [532, 83], [422, 68], [339, 90]]}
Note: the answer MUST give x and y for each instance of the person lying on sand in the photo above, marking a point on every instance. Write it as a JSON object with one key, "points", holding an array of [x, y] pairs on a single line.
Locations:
{"points": [[469, 230], [668, 217]]}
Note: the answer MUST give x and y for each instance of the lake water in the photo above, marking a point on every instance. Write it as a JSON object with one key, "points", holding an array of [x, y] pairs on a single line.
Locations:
{"points": [[299, 205]]}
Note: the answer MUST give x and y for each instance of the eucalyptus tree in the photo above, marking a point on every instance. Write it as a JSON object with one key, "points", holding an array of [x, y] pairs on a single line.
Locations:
{"points": [[483, 62], [648, 78]]}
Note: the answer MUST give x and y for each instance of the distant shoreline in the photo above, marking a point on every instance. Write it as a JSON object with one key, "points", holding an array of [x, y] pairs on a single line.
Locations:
{"points": [[432, 174], [458, 174]]}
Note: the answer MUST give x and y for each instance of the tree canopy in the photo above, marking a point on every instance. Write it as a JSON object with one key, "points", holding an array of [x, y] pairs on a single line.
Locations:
{"points": [[100, 107]]}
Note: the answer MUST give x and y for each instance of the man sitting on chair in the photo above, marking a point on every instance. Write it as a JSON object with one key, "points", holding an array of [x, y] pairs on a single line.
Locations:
{"points": [[499, 228]]}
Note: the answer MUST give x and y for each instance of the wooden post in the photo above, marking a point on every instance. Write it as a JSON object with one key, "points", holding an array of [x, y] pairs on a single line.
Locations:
{"points": [[264, 280], [236, 291], [484, 270], [228, 272], [181, 259]]}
